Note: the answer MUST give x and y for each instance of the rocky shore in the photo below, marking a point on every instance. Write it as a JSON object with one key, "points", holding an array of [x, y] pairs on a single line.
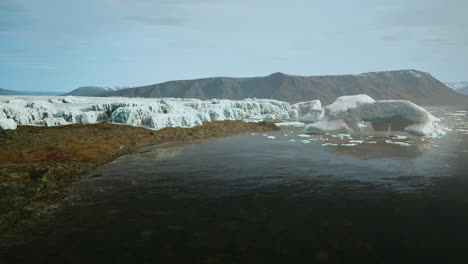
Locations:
{"points": [[38, 164]]}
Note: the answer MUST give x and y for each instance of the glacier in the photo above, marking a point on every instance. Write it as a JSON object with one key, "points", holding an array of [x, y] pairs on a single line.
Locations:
{"points": [[346, 115], [154, 113]]}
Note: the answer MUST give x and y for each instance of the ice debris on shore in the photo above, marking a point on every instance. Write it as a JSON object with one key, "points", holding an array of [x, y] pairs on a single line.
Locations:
{"points": [[290, 124], [348, 114], [155, 113]]}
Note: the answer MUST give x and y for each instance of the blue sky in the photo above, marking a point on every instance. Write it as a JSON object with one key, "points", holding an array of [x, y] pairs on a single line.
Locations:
{"points": [[59, 45]]}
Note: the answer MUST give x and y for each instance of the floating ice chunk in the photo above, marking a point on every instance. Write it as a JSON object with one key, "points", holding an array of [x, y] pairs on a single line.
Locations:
{"points": [[271, 137], [329, 144], [265, 135], [348, 145], [371, 142], [292, 140], [7, 124], [357, 141], [253, 134], [363, 124], [305, 141], [304, 136], [403, 144], [291, 124]]}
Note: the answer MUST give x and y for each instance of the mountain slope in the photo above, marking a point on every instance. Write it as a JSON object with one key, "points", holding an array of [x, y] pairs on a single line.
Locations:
{"points": [[7, 92], [93, 90], [403, 84], [35, 93]]}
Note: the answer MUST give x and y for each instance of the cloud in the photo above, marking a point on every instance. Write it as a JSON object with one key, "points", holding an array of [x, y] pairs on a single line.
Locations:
{"points": [[435, 22], [11, 13], [164, 2], [155, 21], [11, 6]]}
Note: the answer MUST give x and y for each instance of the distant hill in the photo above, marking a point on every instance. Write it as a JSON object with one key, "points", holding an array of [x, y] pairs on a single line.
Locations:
{"points": [[32, 93], [457, 85], [94, 90], [463, 91], [417, 86]]}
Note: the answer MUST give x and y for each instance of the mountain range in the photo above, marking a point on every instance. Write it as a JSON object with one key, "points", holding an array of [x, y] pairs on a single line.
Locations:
{"points": [[94, 90], [417, 86], [459, 87], [32, 93]]}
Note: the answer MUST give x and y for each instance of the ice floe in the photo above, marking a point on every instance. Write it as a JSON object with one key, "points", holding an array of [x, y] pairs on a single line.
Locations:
{"points": [[271, 137], [403, 144], [329, 144]]}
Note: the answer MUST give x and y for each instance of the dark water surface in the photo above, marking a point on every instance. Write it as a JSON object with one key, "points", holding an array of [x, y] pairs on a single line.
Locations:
{"points": [[251, 199]]}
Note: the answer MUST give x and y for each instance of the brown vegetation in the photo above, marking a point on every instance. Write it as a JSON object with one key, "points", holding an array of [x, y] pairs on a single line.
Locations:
{"points": [[38, 164]]}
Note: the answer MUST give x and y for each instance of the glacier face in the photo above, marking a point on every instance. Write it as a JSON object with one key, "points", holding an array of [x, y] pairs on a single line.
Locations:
{"points": [[154, 113], [348, 114]]}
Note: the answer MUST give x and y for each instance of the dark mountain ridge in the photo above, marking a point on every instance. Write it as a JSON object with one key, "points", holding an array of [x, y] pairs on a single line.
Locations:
{"points": [[412, 85], [94, 90]]}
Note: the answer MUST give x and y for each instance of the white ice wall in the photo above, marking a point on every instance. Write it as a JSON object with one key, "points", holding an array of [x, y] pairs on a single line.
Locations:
{"points": [[154, 113]]}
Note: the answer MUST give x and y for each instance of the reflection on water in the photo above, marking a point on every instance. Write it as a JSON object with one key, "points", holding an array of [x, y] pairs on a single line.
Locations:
{"points": [[255, 199]]}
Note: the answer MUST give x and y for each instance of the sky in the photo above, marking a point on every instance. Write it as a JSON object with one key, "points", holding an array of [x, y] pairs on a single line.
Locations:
{"points": [[59, 45]]}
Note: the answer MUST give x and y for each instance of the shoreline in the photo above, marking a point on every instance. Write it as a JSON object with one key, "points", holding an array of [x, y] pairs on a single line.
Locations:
{"points": [[39, 164]]}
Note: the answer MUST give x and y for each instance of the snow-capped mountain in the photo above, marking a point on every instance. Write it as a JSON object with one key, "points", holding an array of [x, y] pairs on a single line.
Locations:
{"points": [[457, 85], [95, 90]]}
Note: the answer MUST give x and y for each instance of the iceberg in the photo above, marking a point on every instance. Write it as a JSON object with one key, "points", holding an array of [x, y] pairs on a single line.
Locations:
{"points": [[309, 111], [347, 113]]}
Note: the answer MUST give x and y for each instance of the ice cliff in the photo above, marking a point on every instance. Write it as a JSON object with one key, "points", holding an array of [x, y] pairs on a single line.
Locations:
{"points": [[348, 114], [149, 113]]}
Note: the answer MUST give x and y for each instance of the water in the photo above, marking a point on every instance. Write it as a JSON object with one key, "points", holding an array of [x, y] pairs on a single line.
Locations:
{"points": [[252, 199]]}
